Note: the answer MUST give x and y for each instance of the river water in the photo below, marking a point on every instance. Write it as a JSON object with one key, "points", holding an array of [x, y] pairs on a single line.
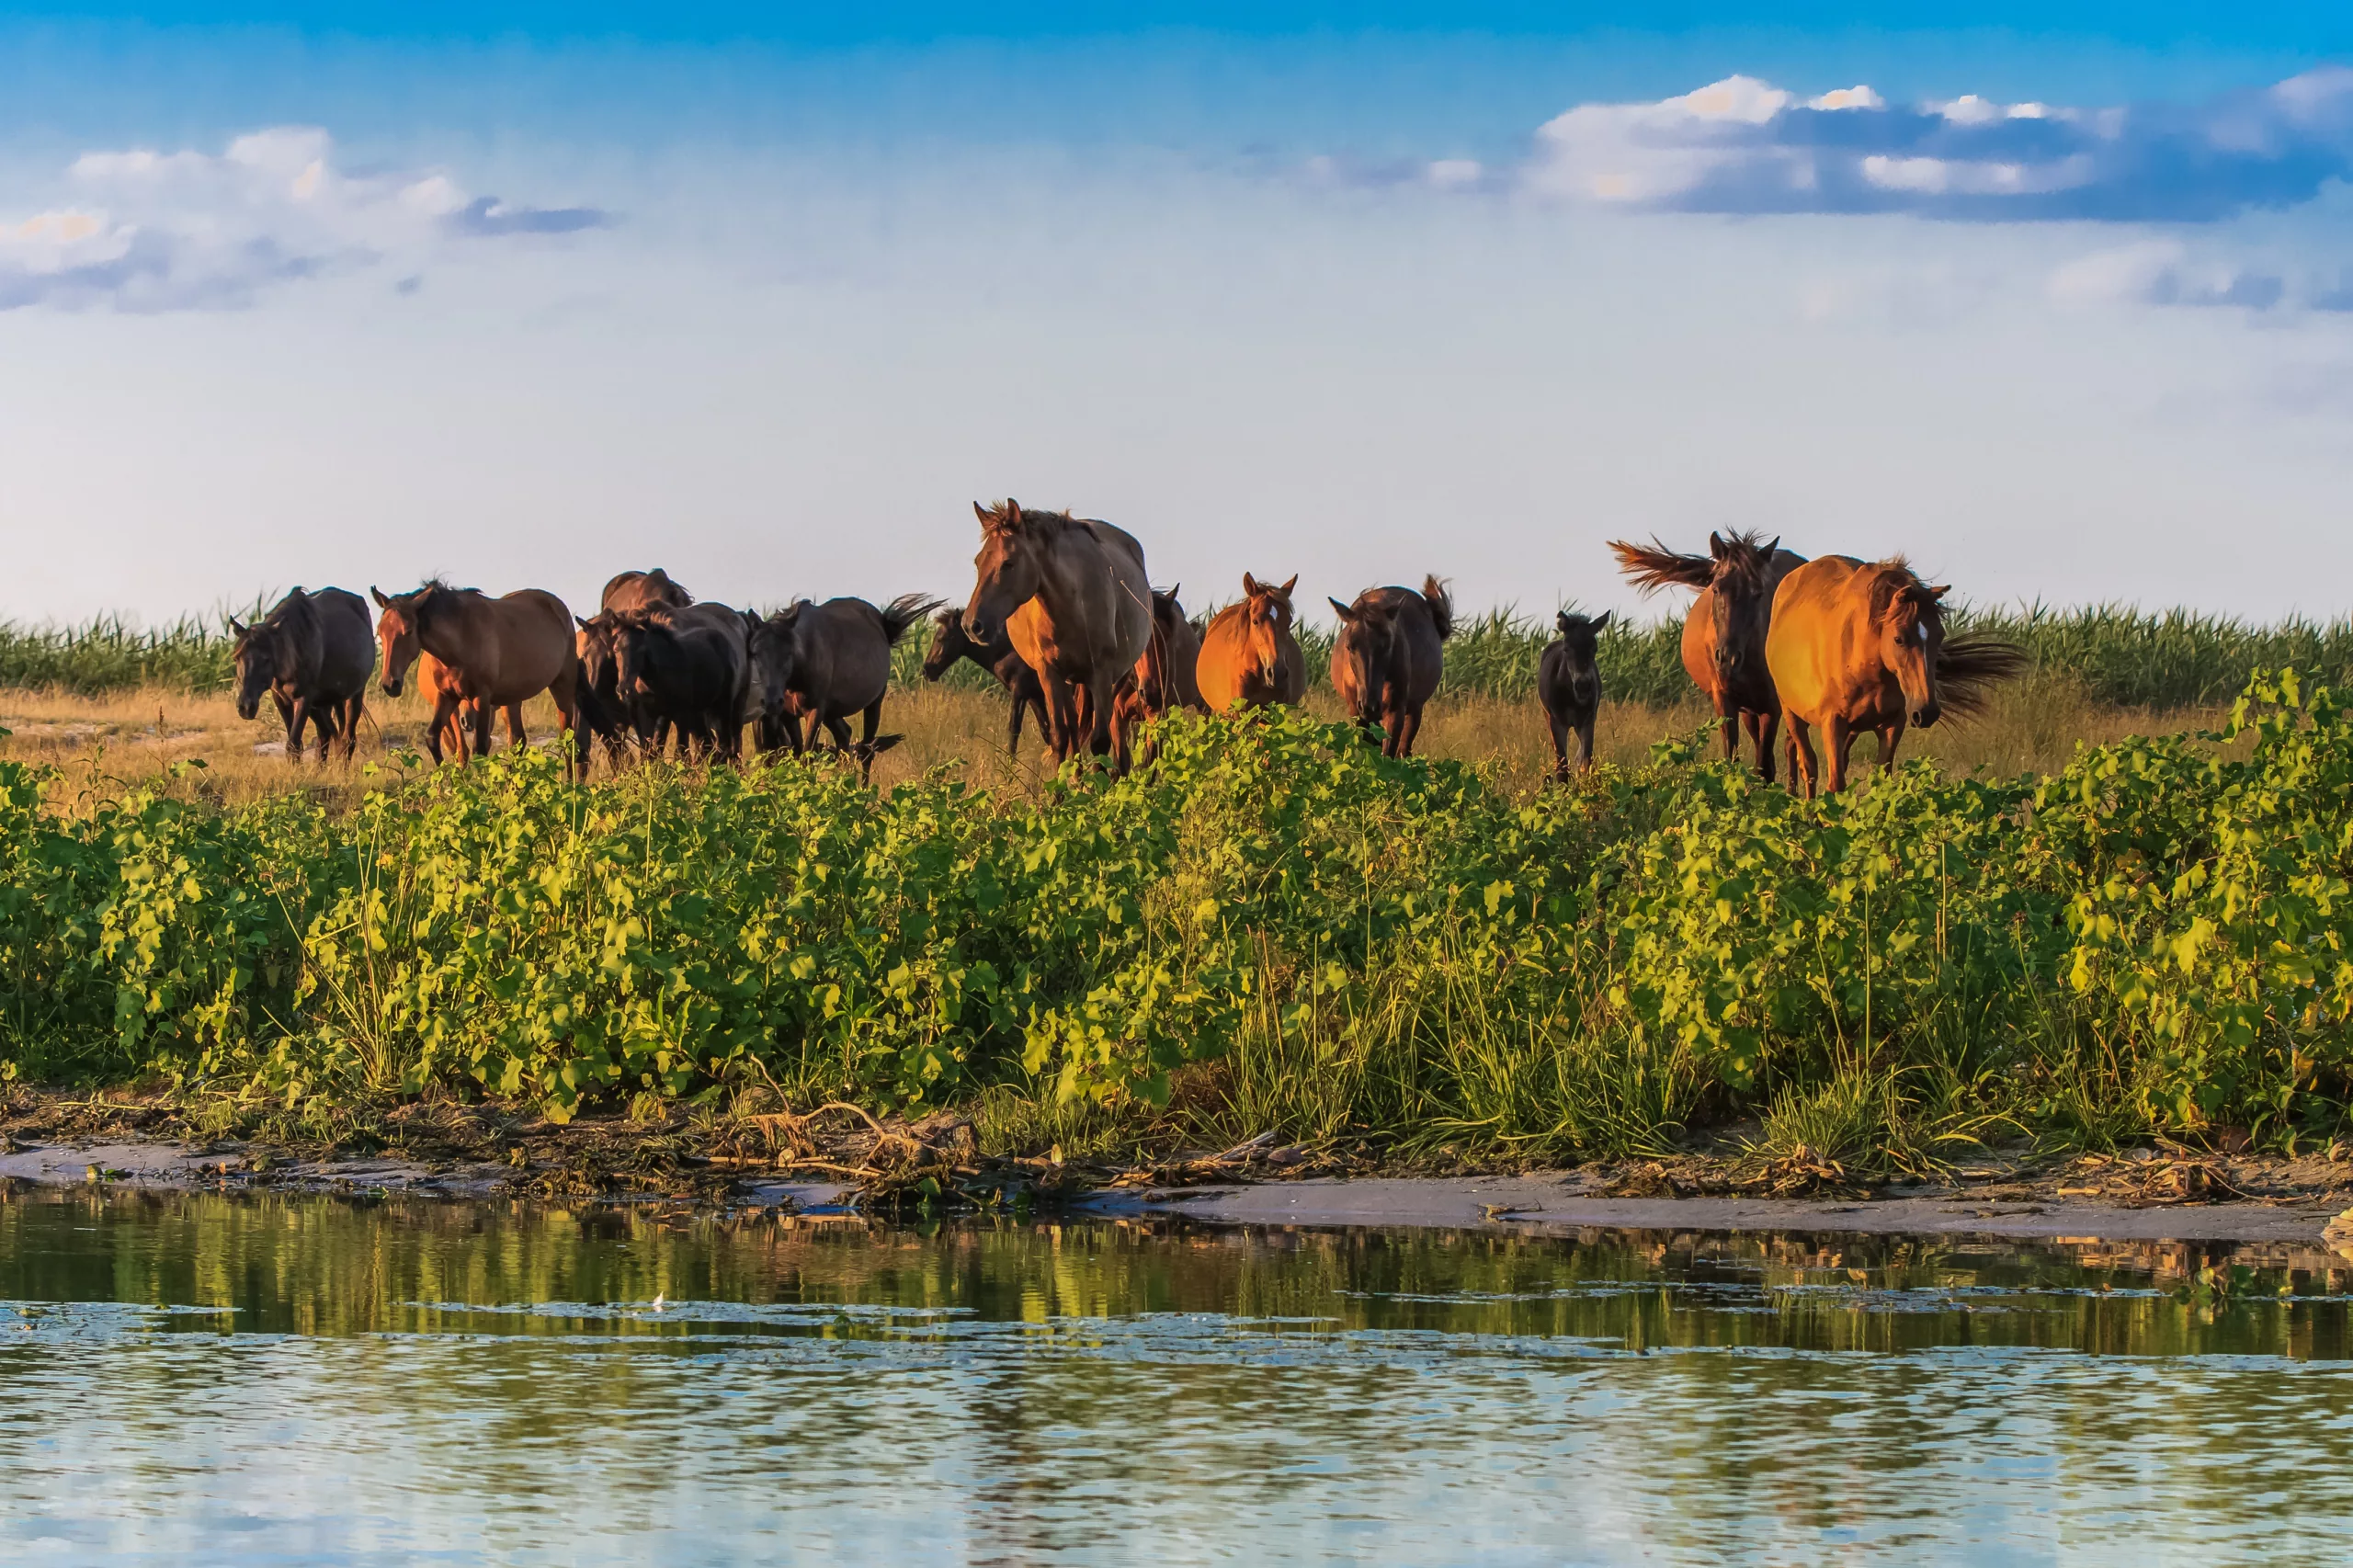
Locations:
{"points": [[199, 1379]]}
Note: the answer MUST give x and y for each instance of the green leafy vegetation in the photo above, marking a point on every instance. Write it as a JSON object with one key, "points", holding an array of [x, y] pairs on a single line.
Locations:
{"points": [[1273, 928]]}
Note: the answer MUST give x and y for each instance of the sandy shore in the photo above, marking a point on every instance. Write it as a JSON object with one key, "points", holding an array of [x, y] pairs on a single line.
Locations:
{"points": [[1559, 1203]]}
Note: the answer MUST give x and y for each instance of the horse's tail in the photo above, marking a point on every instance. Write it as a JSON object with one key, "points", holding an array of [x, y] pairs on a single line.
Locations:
{"points": [[1968, 665], [1653, 566], [1441, 605], [904, 611]]}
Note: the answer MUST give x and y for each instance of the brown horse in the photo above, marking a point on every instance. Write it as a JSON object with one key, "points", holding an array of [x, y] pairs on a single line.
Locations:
{"points": [[642, 590], [1388, 656], [434, 678], [313, 654], [1073, 594], [825, 661], [949, 644], [1860, 646], [1724, 632], [1167, 676], [1568, 683], [1249, 655], [502, 653]]}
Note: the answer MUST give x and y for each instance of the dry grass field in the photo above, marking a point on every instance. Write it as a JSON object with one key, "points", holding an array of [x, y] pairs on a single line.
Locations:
{"points": [[105, 743]]}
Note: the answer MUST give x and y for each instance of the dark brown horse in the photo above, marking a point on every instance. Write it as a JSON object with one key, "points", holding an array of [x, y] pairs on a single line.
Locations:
{"points": [[1073, 595], [686, 667], [1167, 676], [1724, 632], [1861, 646], [825, 661], [1388, 656], [644, 590], [1568, 682], [501, 651], [1250, 656], [949, 644], [312, 654]]}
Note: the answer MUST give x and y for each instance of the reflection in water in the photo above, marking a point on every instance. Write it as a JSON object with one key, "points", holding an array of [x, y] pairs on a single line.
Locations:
{"points": [[198, 1379]]}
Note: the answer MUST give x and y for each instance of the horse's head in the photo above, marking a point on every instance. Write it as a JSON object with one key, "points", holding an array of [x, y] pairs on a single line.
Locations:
{"points": [[594, 646], [1266, 619], [949, 643], [1158, 684], [775, 648], [399, 629], [1580, 643], [1741, 597], [259, 661], [1363, 653], [1908, 618], [1006, 571], [639, 637]]}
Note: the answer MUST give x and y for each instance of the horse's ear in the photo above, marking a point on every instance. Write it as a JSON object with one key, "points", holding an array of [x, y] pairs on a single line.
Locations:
{"points": [[1561, 619], [236, 626], [1174, 589], [1604, 620], [580, 623], [1773, 549], [1250, 585], [1715, 545], [381, 602], [1940, 590], [752, 621], [1288, 584], [1343, 611]]}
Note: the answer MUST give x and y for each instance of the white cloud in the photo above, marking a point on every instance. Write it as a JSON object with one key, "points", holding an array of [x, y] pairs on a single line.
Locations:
{"points": [[1743, 145], [148, 230], [2159, 272]]}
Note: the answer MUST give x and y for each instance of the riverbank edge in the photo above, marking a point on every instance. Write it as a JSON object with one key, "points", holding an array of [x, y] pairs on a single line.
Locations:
{"points": [[1999, 1204]]}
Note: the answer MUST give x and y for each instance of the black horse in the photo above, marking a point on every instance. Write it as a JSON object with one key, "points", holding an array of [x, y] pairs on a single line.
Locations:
{"points": [[1568, 683], [950, 642], [313, 652]]}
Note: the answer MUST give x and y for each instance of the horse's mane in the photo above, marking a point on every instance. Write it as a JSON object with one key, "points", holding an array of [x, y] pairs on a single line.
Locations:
{"points": [[441, 584], [1653, 566], [1746, 557]]}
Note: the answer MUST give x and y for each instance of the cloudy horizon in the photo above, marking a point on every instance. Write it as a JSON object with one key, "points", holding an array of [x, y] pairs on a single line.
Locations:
{"points": [[354, 311]]}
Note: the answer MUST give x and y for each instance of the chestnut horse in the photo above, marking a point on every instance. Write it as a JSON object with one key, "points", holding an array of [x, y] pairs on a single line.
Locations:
{"points": [[1860, 646], [1388, 656], [825, 661], [1568, 682], [949, 644], [1073, 594], [1249, 655], [313, 654], [502, 653], [642, 590], [1724, 631], [433, 679]]}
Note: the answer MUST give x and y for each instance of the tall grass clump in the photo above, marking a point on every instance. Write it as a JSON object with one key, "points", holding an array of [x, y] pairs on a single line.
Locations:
{"points": [[1273, 926], [112, 653]]}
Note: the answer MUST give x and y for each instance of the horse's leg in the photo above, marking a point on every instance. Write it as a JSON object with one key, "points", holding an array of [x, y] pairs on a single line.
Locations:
{"points": [[516, 739], [298, 714], [1839, 740], [1559, 745], [1013, 723], [1728, 720], [1890, 737], [1803, 762], [1584, 743], [1413, 731], [482, 715], [352, 708], [323, 720], [837, 726], [1768, 724]]}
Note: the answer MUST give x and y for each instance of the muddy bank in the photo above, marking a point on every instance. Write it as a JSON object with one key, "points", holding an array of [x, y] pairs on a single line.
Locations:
{"points": [[1562, 1203]]}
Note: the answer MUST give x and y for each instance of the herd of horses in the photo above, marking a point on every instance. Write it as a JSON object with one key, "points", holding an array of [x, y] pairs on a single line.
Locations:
{"points": [[1063, 613]]}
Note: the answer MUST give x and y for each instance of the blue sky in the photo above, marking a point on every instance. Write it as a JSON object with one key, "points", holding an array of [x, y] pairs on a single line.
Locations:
{"points": [[2058, 298]]}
